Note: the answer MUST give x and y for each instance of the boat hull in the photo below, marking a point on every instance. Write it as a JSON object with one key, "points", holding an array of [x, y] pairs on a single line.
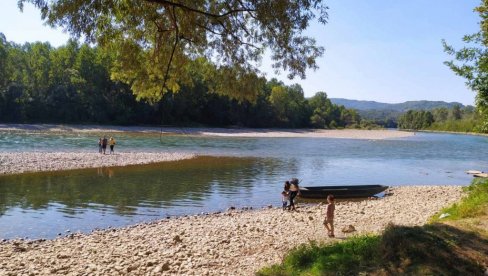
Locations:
{"points": [[354, 191]]}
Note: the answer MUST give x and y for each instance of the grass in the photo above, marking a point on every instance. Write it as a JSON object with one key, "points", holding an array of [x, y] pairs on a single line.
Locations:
{"points": [[473, 205], [456, 245], [354, 255]]}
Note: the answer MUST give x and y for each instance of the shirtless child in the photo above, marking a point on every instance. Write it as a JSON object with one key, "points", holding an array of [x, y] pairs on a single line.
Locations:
{"points": [[329, 217]]}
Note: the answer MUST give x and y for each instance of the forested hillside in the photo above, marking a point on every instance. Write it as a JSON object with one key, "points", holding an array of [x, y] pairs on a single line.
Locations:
{"points": [[386, 114], [74, 84], [399, 107]]}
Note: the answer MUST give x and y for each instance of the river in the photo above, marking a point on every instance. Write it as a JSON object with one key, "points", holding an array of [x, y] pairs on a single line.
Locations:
{"points": [[229, 172]]}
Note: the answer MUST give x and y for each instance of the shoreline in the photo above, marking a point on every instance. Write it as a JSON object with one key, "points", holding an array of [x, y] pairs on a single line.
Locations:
{"points": [[451, 132], [229, 243], [215, 132]]}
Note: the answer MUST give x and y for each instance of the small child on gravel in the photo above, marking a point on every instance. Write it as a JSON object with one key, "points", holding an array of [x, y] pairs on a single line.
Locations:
{"points": [[329, 216], [285, 196]]}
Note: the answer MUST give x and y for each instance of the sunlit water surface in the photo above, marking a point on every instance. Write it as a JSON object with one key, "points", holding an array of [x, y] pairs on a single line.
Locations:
{"points": [[243, 172]]}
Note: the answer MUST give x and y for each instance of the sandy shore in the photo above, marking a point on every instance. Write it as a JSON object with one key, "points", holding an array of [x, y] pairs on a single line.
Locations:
{"points": [[230, 243], [219, 132], [12, 163]]}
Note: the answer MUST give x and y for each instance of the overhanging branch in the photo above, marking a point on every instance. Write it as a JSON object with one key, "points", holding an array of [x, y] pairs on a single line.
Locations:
{"points": [[213, 15]]}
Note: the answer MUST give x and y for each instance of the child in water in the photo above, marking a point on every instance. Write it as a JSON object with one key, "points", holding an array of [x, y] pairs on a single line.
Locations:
{"points": [[329, 216]]}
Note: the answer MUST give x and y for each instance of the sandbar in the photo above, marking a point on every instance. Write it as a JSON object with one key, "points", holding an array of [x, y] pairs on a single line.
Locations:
{"points": [[22, 162], [217, 132]]}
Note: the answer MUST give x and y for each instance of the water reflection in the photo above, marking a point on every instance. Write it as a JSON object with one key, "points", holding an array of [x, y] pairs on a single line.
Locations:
{"points": [[155, 185], [133, 192]]}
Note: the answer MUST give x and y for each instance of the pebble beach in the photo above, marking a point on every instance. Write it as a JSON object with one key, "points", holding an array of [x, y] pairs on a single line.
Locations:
{"points": [[235, 242]]}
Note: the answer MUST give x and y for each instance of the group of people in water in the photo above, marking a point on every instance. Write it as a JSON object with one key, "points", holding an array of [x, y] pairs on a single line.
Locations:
{"points": [[291, 190], [102, 144]]}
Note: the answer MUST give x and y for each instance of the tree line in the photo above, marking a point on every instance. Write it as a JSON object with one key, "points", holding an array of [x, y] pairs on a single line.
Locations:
{"points": [[74, 83], [466, 119]]}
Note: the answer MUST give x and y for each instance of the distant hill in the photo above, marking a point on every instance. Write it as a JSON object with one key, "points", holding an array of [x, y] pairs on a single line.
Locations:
{"points": [[398, 107]]}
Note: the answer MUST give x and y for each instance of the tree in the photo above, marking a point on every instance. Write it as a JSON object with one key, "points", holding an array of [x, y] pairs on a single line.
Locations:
{"points": [[455, 113], [415, 119], [440, 114], [473, 62], [321, 107], [153, 41]]}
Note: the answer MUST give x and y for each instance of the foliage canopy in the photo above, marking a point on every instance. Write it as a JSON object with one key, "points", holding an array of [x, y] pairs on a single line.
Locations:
{"points": [[473, 62], [72, 84], [154, 41]]}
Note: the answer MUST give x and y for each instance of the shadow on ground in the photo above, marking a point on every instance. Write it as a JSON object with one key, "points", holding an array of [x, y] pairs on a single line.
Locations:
{"points": [[438, 249]]}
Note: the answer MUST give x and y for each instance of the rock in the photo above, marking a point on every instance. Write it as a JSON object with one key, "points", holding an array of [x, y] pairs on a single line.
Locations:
{"points": [[131, 268], [63, 256], [231, 208], [445, 215], [177, 239], [348, 229], [157, 269]]}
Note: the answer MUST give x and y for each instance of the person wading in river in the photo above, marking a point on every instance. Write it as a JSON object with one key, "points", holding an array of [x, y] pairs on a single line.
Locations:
{"points": [[294, 191]]}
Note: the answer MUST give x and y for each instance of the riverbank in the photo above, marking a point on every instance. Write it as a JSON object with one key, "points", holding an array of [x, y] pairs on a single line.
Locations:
{"points": [[21, 162], [217, 132], [231, 243], [450, 132]]}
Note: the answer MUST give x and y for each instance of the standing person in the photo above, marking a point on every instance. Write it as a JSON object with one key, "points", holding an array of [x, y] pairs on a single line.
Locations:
{"points": [[111, 143], [104, 144], [329, 216], [294, 191], [100, 145]]}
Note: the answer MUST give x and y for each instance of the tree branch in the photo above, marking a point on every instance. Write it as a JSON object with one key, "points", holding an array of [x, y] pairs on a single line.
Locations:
{"points": [[175, 25], [179, 5]]}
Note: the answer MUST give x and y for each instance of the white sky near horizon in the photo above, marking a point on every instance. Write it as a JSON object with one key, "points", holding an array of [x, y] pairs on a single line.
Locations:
{"points": [[379, 50]]}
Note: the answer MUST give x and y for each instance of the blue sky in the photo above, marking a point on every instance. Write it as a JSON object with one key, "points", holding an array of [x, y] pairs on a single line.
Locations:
{"points": [[380, 50]]}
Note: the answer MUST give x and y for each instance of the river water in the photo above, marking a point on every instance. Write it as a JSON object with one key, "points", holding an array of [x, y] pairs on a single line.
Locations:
{"points": [[230, 172]]}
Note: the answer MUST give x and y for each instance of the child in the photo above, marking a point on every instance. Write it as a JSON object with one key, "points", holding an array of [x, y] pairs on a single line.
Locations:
{"points": [[329, 217], [285, 197]]}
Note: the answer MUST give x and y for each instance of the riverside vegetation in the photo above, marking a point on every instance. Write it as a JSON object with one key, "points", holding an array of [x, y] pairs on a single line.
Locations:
{"points": [[456, 119], [455, 242]]}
